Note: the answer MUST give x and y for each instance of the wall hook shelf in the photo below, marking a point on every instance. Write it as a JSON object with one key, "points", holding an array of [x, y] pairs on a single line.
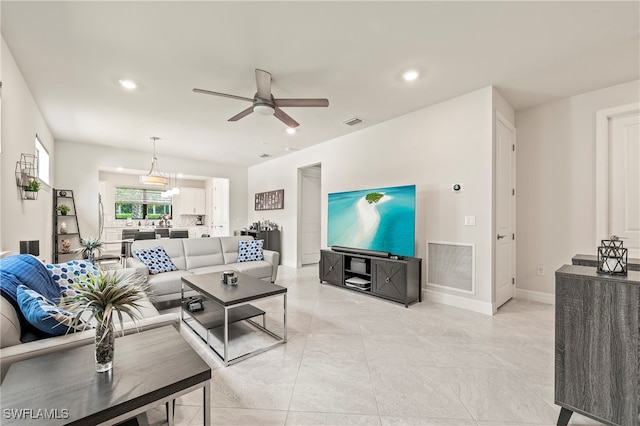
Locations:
{"points": [[27, 176]]}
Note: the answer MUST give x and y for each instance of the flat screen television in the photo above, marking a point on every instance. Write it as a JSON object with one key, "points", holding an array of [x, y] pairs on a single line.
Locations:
{"points": [[381, 219]]}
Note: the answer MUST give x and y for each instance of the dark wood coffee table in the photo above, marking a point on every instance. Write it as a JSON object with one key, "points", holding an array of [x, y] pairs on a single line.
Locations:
{"points": [[225, 304], [150, 368]]}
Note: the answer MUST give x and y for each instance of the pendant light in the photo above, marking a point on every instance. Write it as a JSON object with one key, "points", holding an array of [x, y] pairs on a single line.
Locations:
{"points": [[154, 177]]}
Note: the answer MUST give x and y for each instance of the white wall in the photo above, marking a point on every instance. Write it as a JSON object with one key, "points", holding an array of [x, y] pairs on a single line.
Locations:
{"points": [[431, 148], [555, 179], [77, 168], [21, 122]]}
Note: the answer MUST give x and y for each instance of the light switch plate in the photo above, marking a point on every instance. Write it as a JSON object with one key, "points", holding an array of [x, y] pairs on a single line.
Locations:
{"points": [[470, 221]]}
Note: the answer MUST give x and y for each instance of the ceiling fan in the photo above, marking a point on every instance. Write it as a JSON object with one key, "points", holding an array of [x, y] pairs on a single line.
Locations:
{"points": [[264, 103]]}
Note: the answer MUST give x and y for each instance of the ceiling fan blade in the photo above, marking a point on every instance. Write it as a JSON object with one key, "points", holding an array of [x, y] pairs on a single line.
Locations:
{"points": [[301, 102], [285, 118], [209, 92], [263, 82], [242, 114]]}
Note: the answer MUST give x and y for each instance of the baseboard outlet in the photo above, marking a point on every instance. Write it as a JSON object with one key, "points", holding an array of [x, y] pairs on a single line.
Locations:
{"points": [[536, 296], [459, 302]]}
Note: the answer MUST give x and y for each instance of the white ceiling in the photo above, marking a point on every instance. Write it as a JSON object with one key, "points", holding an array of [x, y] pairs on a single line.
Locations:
{"points": [[72, 55]]}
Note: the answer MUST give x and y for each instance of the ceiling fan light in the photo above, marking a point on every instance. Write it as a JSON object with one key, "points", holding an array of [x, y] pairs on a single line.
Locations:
{"points": [[264, 109]]}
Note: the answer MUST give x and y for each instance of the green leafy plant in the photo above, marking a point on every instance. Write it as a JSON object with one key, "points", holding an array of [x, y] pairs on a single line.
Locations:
{"points": [[33, 185], [106, 296], [89, 246], [63, 208]]}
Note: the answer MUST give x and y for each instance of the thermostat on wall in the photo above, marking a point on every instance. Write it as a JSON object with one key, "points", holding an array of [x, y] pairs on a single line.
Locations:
{"points": [[456, 187]]}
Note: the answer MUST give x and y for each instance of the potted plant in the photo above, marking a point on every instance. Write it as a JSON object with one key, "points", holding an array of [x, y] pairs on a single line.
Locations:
{"points": [[89, 246], [31, 190], [105, 296], [63, 209]]}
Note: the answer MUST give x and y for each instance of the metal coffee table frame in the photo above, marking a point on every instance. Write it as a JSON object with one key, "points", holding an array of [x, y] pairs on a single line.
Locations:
{"points": [[232, 312]]}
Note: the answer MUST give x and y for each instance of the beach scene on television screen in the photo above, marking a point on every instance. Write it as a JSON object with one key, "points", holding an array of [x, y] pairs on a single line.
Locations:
{"points": [[374, 219]]}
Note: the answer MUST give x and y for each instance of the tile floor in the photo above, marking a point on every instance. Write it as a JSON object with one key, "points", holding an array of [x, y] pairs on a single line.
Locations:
{"points": [[352, 359]]}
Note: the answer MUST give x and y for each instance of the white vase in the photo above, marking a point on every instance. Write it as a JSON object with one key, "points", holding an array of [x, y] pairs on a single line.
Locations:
{"points": [[63, 228]]}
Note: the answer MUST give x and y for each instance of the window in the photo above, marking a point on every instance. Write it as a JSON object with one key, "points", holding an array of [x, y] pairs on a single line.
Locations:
{"points": [[138, 203], [42, 157]]}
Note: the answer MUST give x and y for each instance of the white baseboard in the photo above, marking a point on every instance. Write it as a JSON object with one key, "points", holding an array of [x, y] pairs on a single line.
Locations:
{"points": [[459, 302], [536, 296]]}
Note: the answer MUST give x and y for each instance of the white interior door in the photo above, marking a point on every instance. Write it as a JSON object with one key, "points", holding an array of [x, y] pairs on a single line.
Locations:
{"points": [[219, 217], [310, 215], [624, 180], [505, 247]]}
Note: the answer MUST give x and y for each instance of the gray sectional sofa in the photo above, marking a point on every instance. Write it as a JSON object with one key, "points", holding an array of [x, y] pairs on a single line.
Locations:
{"points": [[200, 256]]}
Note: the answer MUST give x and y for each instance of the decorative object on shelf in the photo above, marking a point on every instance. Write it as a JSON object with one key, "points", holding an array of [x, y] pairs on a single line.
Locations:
{"points": [[63, 228], [271, 200], [106, 296], [65, 246], [30, 247], [154, 177], [63, 209], [612, 257], [88, 247], [62, 193]]}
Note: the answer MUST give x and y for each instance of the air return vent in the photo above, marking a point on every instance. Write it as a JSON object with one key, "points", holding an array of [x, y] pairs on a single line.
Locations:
{"points": [[452, 266], [352, 121]]}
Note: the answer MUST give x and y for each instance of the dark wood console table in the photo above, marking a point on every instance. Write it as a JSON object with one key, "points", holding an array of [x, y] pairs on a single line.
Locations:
{"points": [[592, 260], [398, 279], [597, 345]]}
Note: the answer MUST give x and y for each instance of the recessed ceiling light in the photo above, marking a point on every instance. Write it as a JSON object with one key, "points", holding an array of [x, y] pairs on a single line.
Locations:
{"points": [[291, 130], [128, 84], [410, 75]]}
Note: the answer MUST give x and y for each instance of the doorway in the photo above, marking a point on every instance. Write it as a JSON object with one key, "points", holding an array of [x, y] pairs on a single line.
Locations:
{"points": [[618, 176], [505, 207], [309, 214]]}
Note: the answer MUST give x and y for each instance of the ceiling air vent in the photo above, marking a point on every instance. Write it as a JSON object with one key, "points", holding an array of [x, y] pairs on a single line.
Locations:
{"points": [[352, 121], [265, 155]]}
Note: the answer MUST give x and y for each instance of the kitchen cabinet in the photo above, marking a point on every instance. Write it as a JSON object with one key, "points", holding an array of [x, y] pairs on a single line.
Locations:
{"points": [[191, 201]]}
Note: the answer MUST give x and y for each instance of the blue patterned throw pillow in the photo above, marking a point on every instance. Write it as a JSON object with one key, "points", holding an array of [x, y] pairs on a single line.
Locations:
{"points": [[45, 315], [156, 259], [64, 274], [250, 250]]}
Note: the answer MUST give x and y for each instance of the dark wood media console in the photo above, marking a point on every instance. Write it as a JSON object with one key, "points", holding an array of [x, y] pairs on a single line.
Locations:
{"points": [[398, 280], [597, 350]]}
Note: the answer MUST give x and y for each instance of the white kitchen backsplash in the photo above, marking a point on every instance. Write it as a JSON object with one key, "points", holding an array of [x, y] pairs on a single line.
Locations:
{"points": [[181, 221]]}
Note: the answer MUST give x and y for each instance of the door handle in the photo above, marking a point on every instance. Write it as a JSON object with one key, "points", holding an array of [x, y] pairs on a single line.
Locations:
{"points": [[501, 236]]}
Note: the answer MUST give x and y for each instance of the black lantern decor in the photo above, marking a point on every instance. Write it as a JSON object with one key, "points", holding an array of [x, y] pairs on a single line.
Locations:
{"points": [[612, 257]]}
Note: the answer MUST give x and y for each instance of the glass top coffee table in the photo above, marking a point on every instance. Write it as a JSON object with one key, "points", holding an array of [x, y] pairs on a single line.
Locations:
{"points": [[223, 305]]}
